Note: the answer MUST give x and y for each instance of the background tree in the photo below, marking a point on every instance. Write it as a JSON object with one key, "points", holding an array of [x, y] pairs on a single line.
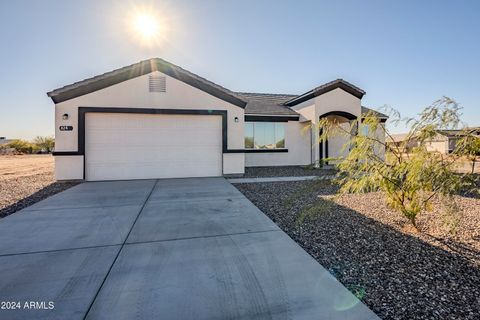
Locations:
{"points": [[45, 143], [23, 146], [409, 180]]}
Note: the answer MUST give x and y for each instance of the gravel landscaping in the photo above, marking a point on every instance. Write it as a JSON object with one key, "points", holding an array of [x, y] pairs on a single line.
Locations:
{"points": [[285, 171], [25, 180], [398, 272]]}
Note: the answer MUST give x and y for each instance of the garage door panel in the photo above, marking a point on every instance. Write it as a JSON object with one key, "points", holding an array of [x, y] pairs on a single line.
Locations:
{"points": [[139, 146], [157, 138], [126, 156]]}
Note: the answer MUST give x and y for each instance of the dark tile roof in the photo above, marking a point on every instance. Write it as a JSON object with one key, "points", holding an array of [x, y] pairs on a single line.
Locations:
{"points": [[254, 103], [138, 69], [365, 110], [266, 103], [459, 132]]}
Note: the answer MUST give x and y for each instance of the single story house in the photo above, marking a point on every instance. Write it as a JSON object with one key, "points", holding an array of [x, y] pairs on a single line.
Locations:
{"points": [[399, 141], [4, 140], [445, 141], [153, 119]]}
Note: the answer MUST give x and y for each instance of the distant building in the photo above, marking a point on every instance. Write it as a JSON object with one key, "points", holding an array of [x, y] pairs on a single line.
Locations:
{"points": [[4, 140], [399, 141], [446, 140], [443, 142], [3, 146]]}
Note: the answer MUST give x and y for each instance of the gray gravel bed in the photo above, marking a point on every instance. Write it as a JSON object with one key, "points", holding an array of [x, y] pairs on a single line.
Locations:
{"points": [[397, 273], [285, 171], [21, 192]]}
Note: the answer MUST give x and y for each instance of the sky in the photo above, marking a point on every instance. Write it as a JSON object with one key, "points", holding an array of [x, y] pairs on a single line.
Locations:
{"points": [[405, 54]]}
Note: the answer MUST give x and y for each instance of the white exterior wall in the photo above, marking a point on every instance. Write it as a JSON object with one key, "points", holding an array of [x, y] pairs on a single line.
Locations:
{"points": [[337, 139], [134, 93], [335, 100], [307, 111], [68, 167], [298, 143]]}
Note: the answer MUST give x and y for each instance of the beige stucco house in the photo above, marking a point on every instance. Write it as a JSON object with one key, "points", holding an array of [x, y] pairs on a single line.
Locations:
{"points": [[154, 119], [445, 141]]}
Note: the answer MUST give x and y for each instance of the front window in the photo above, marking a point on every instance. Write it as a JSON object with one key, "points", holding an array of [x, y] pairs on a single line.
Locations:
{"points": [[264, 135]]}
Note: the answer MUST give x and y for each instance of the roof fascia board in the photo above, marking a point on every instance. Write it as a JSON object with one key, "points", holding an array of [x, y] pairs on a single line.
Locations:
{"points": [[317, 92], [140, 69]]}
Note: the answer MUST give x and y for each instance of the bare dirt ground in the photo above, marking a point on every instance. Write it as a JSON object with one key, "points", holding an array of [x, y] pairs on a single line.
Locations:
{"points": [[15, 166], [26, 179]]}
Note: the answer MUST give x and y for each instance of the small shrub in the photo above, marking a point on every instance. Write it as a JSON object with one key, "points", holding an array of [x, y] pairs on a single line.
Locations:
{"points": [[44, 143], [409, 181], [23, 146]]}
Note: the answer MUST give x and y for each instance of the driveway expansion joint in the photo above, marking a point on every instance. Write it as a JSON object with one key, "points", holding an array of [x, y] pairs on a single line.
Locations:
{"points": [[59, 250], [232, 251], [120, 250], [82, 207], [204, 237]]}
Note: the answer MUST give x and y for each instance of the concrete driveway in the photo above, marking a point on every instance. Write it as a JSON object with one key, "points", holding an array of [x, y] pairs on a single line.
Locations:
{"points": [[160, 249]]}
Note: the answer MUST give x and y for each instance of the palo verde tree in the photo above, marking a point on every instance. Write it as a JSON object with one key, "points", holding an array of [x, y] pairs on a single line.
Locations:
{"points": [[468, 146], [409, 180], [45, 143]]}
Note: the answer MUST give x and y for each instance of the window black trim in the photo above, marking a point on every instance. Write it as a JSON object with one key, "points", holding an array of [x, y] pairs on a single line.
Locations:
{"points": [[255, 150], [257, 118]]}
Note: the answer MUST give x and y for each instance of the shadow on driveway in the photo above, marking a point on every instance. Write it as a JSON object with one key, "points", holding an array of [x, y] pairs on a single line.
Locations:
{"points": [[399, 276]]}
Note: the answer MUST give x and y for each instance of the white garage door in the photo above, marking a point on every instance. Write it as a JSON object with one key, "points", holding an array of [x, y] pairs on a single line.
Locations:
{"points": [[143, 146]]}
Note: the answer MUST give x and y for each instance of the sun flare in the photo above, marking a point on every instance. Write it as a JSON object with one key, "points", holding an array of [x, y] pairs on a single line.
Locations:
{"points": [[146, 26]]}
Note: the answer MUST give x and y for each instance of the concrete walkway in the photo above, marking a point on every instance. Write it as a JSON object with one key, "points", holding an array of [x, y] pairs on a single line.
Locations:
{"points": [[161, 249], [278, 179]]}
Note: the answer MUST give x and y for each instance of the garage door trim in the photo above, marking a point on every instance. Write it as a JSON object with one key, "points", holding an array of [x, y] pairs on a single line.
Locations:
{"points": [[83, 110]]}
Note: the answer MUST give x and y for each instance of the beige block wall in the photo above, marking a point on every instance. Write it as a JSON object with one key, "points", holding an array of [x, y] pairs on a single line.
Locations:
{"points": [[437, 146]]}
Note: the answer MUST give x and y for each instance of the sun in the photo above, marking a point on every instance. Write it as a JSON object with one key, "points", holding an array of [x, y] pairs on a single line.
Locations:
{"points": [[146, 26]]}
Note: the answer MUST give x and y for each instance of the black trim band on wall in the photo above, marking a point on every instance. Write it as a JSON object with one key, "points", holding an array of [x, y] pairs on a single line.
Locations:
{"points": [[257, 118], [255, 150], [344, 114], [66, 153], [83, 110]]}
